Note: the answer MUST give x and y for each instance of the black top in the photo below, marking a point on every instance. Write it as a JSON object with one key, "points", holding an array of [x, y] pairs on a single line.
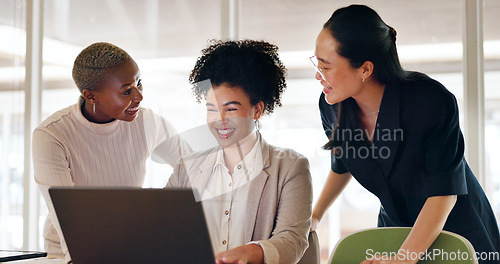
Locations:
{"points": [[417, 152]]}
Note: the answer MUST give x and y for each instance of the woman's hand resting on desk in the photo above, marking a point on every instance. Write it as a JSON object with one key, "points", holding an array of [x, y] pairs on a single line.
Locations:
{"points": [[241, 255]]}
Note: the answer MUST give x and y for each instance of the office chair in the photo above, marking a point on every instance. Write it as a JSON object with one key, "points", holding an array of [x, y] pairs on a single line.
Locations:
{"points": [[312, 255], [447, 248]]}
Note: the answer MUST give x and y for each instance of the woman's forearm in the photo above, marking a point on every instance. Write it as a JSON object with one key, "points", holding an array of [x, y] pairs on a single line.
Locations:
{"points": [[334, 185], [429, 224]]}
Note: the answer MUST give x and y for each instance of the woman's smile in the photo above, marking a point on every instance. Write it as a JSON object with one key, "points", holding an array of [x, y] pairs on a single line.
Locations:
{"points": [[132, 110], [225, 133]]}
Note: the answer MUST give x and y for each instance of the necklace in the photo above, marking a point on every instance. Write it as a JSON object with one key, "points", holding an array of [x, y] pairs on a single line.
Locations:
{"points": [[370, 113]]}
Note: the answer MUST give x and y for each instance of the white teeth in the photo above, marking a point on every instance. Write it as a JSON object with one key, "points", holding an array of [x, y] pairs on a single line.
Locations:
{"points": [[225, 131], [133, 109]]}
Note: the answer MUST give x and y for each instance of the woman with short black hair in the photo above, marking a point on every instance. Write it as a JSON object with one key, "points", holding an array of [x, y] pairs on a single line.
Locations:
{"points": [[105, 138]]}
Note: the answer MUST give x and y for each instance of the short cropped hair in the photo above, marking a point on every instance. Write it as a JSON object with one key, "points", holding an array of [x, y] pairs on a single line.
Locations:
{"points": [[92, 62], [252, 65]]}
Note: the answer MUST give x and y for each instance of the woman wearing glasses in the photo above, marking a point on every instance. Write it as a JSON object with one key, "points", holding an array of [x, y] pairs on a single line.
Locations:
{"points": [[397, 133]]}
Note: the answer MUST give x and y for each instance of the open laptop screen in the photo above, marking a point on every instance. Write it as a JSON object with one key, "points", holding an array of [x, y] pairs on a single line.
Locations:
{"points": [[132, 225]]}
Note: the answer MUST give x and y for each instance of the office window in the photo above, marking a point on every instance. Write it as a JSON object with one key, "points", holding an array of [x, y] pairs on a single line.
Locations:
{"points": [[12, 72], [492, 101]]}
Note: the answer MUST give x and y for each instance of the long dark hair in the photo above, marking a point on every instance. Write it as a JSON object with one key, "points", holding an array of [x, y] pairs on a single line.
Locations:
{"points": [[362, 36]]}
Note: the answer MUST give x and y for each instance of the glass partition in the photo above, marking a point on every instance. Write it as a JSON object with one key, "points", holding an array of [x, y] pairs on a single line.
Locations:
{"points": [[492, 101], [12, 74]]}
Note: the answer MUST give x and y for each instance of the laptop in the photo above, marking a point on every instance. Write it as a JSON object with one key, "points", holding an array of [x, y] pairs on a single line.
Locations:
{"points": [[132, 225]]}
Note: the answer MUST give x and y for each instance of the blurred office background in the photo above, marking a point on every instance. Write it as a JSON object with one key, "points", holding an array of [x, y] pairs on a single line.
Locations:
{"points": [[166, 36]]}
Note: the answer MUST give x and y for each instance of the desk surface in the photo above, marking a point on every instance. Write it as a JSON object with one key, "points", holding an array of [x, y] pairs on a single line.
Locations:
{"points": [[37, 261]]}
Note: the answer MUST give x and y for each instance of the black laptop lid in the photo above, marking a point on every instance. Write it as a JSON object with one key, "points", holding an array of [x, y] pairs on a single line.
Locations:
{"points": [[132, 225]]}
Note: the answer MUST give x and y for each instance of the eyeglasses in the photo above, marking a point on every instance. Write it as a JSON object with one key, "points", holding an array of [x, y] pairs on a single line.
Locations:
{"points": [[314, 61], [321, 70]]}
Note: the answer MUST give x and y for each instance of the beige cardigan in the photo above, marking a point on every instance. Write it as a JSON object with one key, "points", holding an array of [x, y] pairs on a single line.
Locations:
{"points": [[279, 200]]}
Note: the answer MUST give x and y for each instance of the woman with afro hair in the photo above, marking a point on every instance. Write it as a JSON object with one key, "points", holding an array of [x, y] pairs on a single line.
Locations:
{"points": [[256, 197]]}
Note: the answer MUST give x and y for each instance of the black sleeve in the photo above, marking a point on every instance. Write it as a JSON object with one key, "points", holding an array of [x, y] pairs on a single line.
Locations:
{"points": [[444, 149]]}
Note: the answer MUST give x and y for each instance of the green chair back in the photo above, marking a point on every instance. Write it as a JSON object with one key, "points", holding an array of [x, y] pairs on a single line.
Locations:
{"points": [[447, 248]]}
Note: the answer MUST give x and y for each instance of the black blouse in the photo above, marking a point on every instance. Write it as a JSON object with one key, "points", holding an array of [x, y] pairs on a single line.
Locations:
{"points": [[417, 152]]}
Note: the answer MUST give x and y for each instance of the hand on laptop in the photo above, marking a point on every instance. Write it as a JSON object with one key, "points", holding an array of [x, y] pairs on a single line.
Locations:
{"points": [[241, 255]]}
